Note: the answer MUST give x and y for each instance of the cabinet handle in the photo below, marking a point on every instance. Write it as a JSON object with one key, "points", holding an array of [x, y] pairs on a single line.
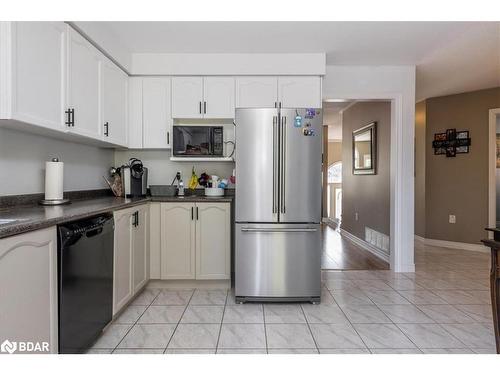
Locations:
{"points": [[168, 138], [68, 117], [106, 129], [275, 104], [72, 117], [137, 216], [200, 107], [205, 107], [196, 212], [192, 214]]}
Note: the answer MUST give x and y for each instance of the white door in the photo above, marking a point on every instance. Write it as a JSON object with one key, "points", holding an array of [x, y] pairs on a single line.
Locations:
{"points": [[177, 241], [187, 97], [39, 73], [28, 292], [122, 274], [213, 236], [134, 120], [114, 103], [84, 84], [256, 92], [157, 114], [218, 97], [299, 92], [140, 242]]}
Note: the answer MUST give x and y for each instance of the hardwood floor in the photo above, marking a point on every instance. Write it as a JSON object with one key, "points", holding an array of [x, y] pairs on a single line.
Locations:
{"points": [[341, 254]]}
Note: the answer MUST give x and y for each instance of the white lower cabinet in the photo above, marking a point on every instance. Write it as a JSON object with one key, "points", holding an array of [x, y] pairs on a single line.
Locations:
{"points": [[177, 241], [131, 254], [195, 240], [28, 288], [213, 234]]}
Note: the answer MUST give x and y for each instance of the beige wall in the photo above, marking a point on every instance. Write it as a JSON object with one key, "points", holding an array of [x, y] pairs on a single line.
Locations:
{"points": [[368, 195], [420, 143], [459, 185], [334, 152]]}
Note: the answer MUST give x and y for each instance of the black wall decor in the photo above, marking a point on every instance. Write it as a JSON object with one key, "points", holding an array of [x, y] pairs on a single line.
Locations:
{"points": [[451, 143]]}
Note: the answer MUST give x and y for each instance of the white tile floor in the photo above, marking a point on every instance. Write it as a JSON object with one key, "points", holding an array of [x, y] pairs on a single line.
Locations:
{"points": [[444, 307]]}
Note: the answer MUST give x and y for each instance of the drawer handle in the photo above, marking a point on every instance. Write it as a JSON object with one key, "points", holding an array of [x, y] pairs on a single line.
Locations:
{"points": [[269, 230]]}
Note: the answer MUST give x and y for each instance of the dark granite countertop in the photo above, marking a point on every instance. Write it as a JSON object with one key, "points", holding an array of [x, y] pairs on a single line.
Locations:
{"points": [[25, 218]]}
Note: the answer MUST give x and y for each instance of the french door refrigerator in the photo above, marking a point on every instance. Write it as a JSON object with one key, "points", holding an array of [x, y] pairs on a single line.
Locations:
{"points": [[278, 204]]}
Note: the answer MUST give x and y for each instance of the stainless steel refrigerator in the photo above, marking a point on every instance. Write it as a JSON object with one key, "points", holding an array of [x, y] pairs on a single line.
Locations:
{"points": [[278, 204]]}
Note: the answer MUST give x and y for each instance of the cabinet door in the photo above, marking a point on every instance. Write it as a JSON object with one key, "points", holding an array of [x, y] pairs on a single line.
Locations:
{"points": [[84, 86], [28, 293], [122, 274], [187, 97], [114, 103], [134, 120], [299, 92], [218, 97], [256, 92], [155, 240], [39, 73], [177, 241], [140, 242], [157, 114], [213, 236]]}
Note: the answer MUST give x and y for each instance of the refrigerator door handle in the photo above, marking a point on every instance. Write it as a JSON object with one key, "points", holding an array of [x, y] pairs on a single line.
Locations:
{"points": [[277, 230], [275, 164], [283, 165]]}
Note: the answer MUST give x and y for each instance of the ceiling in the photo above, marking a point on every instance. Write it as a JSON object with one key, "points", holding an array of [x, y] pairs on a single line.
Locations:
{"points": [[450, 56]]}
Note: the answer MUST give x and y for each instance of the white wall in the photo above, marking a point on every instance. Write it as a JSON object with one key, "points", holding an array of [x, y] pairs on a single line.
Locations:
{"points": [[161, 170], [23, 156], [228, 63], [396, 83]]}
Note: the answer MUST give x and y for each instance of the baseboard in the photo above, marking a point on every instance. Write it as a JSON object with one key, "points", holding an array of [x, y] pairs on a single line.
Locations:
{"points": [[366, 246], [453, 245], [181, 284]]}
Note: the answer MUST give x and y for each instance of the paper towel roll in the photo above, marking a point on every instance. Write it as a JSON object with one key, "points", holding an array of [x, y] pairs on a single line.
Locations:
{"points": [[54, 175]]}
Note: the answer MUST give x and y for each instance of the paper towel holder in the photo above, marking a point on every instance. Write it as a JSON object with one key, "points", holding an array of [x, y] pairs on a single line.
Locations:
{"points": [[54, 202]]}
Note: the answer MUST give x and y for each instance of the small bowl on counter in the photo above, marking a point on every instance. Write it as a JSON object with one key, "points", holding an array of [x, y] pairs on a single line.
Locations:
{"points": [[214, 192]]}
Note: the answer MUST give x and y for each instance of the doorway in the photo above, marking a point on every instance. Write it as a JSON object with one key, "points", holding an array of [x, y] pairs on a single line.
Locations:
{"points": [[356, 219], [494, 169]]}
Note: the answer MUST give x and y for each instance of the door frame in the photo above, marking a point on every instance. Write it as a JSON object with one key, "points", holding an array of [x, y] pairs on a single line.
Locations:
{"points": [[492, 198], [401, 191]]}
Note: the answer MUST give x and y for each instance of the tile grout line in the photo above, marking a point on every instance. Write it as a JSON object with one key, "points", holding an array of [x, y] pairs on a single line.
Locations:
{"points": [[177, 325], [134, 324], [265, 326], [221, 321], [309, 327]]}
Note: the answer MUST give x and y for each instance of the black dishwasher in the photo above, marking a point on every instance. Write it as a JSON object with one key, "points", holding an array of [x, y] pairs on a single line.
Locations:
{"points": [[85, 281]]}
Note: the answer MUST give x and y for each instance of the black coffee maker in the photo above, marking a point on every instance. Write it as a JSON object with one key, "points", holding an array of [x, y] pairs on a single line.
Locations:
{"points": [[135, 178]]}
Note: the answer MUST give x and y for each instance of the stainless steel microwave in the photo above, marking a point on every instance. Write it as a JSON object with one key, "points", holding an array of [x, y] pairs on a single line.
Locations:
{"points": [[196, 141]]}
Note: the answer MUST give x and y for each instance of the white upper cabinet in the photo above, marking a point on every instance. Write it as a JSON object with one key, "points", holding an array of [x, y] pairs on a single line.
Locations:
{"points": [[135, 112], [218, 97], [157, 113], [114, 103], [256, 92], [84, 86], [299, 92], [203, 97], [187, 97], [33, 73]]}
